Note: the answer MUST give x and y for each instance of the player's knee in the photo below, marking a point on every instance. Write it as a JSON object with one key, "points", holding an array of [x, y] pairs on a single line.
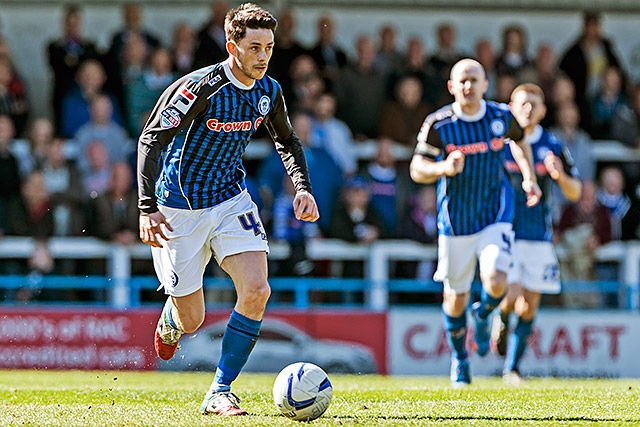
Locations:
{"points": [[257, 294], [191, 321]]}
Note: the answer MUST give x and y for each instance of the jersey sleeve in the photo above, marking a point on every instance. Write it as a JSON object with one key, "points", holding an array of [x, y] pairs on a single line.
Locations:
{"points": [[176, 108], [288, 144], [514, 131], [429, 143], [564, 154]]}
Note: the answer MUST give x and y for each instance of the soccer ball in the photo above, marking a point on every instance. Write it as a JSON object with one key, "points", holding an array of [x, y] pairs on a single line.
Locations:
{"points": [[302, 391]]}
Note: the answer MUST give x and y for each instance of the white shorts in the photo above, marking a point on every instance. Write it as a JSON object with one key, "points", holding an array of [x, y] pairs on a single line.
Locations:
{"points": [[232, 227], [535, 267], [458, 256]]}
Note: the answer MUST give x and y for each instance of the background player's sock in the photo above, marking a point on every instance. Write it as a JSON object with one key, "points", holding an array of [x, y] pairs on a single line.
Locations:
{"points": [[488, 304], [238, 341], [456, 328], [517, 344]]}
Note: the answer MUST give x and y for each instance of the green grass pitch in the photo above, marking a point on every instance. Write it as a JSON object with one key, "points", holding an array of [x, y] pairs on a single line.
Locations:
{"points": [[125, 398]]}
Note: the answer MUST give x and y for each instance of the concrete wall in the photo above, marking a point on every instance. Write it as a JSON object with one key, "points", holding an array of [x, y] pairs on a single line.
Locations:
{"points": [[28, 27]]}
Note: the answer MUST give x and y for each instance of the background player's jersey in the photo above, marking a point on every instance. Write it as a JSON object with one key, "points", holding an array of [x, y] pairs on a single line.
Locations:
{"points": [[202, 124], [481, 194], [536, 223]]}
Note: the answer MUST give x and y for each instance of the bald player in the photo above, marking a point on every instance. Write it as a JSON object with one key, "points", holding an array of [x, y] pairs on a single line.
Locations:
{"points": [[462, 147]]}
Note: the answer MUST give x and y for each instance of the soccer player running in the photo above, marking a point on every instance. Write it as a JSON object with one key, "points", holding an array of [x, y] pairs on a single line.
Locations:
{"points": [[462, 147], [194, 202], [535, 270]]}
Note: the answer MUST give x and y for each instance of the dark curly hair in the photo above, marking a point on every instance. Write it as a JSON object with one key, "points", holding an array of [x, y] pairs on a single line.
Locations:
{"points": [[247, 15]]}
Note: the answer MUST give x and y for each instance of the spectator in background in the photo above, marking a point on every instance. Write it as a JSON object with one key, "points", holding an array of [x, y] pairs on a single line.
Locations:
{"points": [[361, 91], [76, 104], [142, 91], [611, 194], [625, 124], [332, 134], [445, 56], [585, 62], [582, 229], [39, 136], [416, 63], [38, 219], [211, 44], [543, 72], [96, 179], [401, 118], [562, 93], [355, 220], [486, 56], [116, 63], [389, 185], [609, 98], [13, 97], [389, 59], [419, 223], [103, 128], [505, 84], [326, 175], [65, 55], [286, 49], [63, 183], [183, 49], [328, 55], [10, 181], [578, 142], [115, 212], [513, 57], [306, 84]]}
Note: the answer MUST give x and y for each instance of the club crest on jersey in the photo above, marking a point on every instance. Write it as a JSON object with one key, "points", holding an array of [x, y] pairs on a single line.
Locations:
{"points": [[264, 105], [169, 118], [497, 127], [183, 100]]}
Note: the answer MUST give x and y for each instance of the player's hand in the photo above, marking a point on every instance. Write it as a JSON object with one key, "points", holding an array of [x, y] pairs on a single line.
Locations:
{"points": [[305, 207], [533, 192], [454, 163], [553, 164], [151, 228]]}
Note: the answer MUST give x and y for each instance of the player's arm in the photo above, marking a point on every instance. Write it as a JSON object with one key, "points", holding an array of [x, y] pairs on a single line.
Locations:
{"points": [[523, 156], [562, 170], [426, 166], [290, 150]]}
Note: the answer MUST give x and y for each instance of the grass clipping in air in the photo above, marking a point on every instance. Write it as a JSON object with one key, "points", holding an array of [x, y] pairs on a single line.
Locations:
{"points": [[108, 398]]}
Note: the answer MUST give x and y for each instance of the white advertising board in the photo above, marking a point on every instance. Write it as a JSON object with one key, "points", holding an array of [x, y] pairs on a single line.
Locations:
{"points": [[563, 343]]}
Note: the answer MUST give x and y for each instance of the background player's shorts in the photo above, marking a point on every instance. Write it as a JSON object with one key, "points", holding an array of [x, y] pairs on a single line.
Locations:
{"points": [[229, 228], [458, 256], [535, 267]]}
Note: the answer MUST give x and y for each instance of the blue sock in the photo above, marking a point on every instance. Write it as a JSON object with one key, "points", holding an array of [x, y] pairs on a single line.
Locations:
{"points": [[238, 341], [489, 303], [168, 314], [517, 344], [456, 328]]}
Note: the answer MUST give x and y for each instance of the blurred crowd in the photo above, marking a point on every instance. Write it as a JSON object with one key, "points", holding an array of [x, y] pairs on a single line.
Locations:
{"points": [[73, 173]]}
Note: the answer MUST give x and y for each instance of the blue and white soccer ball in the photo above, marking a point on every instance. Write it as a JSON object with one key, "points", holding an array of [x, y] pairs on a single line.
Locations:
{"points": [[302, 391]]}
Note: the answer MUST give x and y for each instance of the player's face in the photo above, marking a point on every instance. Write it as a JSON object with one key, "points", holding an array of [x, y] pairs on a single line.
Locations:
{"points": [[527, 108], [468, 85], [251, 54]]}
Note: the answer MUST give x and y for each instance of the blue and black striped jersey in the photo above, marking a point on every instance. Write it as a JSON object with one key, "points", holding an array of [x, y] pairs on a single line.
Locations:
{"points": [[481, 194], [201, 126], [536, 222]]}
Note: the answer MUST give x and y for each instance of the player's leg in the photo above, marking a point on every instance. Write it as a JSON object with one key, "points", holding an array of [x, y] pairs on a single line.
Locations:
{"points": [[179, 266], [495, 244], [526, 307], [240, 247], [500, 322], [456, 267]]}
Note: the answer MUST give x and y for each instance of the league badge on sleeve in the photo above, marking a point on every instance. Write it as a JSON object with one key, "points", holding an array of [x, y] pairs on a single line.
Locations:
{"points": [[169, 118]]}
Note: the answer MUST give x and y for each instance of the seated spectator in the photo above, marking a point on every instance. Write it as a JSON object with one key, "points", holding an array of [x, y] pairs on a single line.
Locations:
{"points": [[401, 118], [286, 228], [142, 91], [355, 220], [625, 124], [582, 229], [13, 97], [611, 194], [609, 99], [96, 179], [10, 181], [101, 127], [419, 223], [389, 185], [75, 105], [115, 212], [64, 185], [38, 219], [39, 137], [332, 134]]}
